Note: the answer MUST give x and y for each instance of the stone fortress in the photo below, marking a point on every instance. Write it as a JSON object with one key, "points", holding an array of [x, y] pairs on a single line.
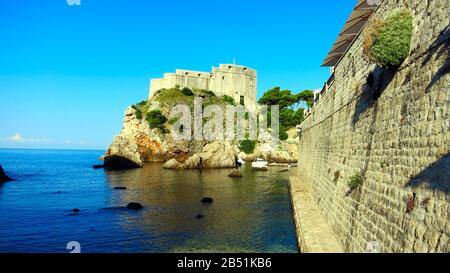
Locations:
{"points": [[236, 81]]}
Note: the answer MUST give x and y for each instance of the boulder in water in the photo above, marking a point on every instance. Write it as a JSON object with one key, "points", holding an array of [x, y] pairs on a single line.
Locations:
{"points": [[207, 200], [116, 162], [3, 176], [235, 174], [218, 155], [134, 206], [173, 164], [76, 210], [95, 167]]}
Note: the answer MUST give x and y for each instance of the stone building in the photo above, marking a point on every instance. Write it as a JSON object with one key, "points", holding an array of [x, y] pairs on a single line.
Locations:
{"points": [[238, 82]]}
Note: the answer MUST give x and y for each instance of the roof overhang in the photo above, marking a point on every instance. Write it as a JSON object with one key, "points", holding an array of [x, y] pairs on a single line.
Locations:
{"points": [[355, 23]]}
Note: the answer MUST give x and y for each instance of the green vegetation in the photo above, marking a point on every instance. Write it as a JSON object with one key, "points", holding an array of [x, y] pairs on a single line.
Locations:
{"points": [[140, 108], [306, 96], [209, 93], [283, 133], [204, 93], [388, 42], [355, 181], [173, 96], [291, 112], [228, 100], [173, 120], [187, 92], [156, 120], [247, 146]]}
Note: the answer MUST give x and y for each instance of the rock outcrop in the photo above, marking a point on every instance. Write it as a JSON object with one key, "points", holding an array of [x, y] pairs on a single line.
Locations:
{"points": [[115, 162], [215, 155], [137, 144], [286, 152], [3, 176]]}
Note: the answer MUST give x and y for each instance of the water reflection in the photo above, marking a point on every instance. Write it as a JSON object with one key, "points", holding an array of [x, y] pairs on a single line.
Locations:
{"points": [[251, 214]]}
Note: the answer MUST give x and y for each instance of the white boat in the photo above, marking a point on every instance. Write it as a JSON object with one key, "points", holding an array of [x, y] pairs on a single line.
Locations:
{"points": [[260, 165], [240, 161]]}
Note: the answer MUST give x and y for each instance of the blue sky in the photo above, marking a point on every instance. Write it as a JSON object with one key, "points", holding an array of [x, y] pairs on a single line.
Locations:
{"points": [[67, 73]]}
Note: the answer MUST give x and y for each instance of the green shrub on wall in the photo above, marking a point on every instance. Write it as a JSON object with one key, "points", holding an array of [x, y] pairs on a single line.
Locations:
{"points": [[355, 181], [388, 42]]}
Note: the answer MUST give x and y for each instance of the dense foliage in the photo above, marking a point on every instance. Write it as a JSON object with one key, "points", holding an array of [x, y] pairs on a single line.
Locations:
{"points": [[229, 100], [187, 92], [291, 114], [156, 120], [247, 146], [388, 42]]}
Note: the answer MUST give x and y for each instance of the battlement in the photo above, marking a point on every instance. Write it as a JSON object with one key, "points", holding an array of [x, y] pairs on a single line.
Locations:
{"points": [[236, 81]]}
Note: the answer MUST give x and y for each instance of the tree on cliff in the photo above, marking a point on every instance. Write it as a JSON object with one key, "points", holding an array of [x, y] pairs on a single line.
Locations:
{"points": [[291, 112]]}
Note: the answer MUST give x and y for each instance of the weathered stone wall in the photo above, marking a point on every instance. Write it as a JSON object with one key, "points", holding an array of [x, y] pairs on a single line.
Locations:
{"points": [[394, 128]]}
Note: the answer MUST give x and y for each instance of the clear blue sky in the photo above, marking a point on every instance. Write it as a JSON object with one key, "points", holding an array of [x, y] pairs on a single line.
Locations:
{"points": [[67, 73]]}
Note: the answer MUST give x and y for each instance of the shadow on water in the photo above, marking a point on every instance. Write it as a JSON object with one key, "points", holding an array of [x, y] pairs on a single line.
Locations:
{"points": [[435, 176], [440, 47], [377, 81]]}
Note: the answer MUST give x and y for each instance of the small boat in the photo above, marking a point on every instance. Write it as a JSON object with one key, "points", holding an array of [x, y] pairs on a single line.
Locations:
{"points": [[260, 165]]}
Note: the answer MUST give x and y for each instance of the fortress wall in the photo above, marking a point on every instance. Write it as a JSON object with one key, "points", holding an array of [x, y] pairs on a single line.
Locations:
{"points": [[400, 143], [234, 81]]}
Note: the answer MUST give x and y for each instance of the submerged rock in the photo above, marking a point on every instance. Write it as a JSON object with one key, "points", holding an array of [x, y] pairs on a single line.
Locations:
{"points": [[115, 162], [200, 216], [235, 174], [134, 206], [76, 210], [120, 188], [98, 166], [207, 200], [3, 176]]}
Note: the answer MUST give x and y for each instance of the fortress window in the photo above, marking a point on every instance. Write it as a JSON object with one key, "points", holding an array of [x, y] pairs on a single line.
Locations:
{"points": [[223, 77], [242, 102], [229, 67], [187, 73], [245, 68], [199, 74]]}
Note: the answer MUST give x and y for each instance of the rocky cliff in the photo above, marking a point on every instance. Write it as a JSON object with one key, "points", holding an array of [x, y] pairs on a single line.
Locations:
{"points": [[138, 143]]}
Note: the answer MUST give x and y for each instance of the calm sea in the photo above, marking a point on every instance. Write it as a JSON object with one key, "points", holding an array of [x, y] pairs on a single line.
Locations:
{"points": [[252, 214]]}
